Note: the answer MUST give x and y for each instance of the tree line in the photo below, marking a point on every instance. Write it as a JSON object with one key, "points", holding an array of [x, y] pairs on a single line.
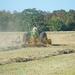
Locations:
{"points": [[58, 20]]}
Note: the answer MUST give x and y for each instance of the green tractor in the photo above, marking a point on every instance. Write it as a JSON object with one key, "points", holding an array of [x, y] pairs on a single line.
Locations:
{"points": [[35, 37]]}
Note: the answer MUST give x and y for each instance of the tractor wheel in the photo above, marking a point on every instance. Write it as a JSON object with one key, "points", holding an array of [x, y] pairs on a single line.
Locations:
{"points": [[43, 37], [25, 37]]}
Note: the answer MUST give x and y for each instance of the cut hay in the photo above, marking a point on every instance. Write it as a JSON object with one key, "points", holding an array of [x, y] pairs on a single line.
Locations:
{"points": [[26, 59]]}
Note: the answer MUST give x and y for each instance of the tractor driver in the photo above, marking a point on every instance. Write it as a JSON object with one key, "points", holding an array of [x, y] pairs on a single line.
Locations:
{"points": [[34, 28]]}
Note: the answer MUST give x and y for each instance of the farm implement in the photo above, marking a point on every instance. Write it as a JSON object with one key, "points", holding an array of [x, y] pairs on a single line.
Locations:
{"points": [[36, 37]]}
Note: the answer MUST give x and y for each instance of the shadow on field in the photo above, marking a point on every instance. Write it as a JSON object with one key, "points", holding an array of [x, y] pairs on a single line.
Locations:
{"points": [[59, 45]]}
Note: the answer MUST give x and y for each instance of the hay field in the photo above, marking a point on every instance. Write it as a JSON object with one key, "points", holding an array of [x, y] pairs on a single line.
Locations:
{"points": [[58, 59]]}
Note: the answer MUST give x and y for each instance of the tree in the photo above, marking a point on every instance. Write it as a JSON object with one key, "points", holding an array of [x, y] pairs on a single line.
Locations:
{"points": [[55, 21]]}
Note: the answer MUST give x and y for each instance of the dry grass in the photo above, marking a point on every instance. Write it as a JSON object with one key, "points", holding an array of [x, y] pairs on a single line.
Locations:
{"points": [[29, 54], [56, 65], [67, 37], [51, 60]]}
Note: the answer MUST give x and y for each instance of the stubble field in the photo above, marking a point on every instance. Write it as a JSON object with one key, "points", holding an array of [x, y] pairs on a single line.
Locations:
{"points": [[57, 59]]}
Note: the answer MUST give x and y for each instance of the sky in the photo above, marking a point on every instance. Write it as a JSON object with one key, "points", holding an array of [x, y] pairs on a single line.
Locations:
{"points": [[44, 5]]}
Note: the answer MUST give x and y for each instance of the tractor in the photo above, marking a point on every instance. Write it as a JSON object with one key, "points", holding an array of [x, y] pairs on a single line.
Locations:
{"points": [[35, 37]]}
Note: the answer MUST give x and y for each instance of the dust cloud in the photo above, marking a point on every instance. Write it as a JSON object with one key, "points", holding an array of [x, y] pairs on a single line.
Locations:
{"points": [[10, 41]]}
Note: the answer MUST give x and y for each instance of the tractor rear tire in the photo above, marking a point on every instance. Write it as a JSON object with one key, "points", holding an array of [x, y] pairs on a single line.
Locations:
{"points": [[25, 37], [43, 36]]}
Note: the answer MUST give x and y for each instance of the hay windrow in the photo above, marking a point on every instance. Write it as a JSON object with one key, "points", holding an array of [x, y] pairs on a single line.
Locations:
{"points": [[26, 59]]}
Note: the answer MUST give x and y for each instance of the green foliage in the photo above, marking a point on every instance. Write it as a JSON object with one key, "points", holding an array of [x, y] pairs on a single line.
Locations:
{"points": [[58, 20], [54, 25]]}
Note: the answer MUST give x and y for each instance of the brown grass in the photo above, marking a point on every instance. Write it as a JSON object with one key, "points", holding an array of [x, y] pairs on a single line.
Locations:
{"points": [[29, 57], [54, 60]]}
